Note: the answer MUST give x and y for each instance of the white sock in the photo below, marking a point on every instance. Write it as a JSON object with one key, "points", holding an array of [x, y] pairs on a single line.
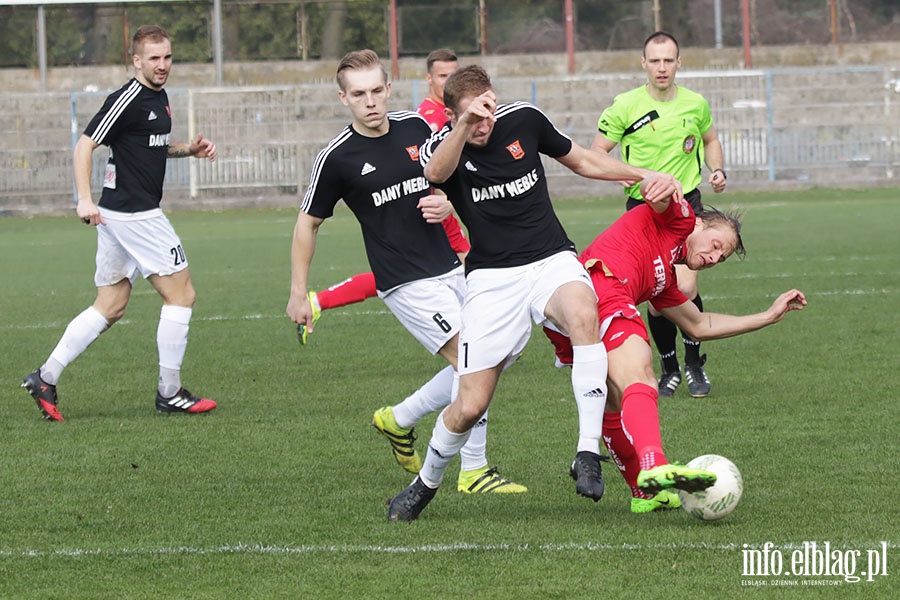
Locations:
{"points": [[444, 445], [589, 370], [171, 340], [80, 333], [430, 398], [473, 455]]}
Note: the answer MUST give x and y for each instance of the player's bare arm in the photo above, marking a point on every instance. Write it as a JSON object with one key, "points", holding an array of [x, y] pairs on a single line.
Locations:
{"points": [[86, 210], [715, 326], [603, 144], [599, 165], [446, 157], [715, 160], [303, 246], [199, 148]]}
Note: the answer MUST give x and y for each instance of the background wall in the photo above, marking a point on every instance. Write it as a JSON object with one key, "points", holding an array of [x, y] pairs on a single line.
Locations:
{"points": [[68, 79], [808, 116]]}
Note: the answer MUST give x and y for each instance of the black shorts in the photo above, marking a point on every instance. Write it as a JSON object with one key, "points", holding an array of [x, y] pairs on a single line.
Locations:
{"points": [[693, 198]]}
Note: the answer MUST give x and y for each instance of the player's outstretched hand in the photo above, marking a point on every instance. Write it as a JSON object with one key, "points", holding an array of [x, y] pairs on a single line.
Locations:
{"points": [[786, 302], [435, 208], [661, 188], [203, 148]]}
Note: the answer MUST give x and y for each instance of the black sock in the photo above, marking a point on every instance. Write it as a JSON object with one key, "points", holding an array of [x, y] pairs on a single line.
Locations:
{"points": [[664, 332], [692, 346]]}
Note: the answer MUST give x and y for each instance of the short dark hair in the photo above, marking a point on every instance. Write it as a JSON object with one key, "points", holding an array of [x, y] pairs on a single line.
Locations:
{"points": [[712, 216], [469, 81], [659, 37], [440, 55], [147, 33], [356, 60]]}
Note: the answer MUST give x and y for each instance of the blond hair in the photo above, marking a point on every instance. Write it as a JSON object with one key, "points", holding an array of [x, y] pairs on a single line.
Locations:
{"points": [[358, 60]]}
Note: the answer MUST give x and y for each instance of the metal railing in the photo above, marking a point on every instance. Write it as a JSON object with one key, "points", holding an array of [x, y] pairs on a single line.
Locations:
{"points": [[821, 126]]}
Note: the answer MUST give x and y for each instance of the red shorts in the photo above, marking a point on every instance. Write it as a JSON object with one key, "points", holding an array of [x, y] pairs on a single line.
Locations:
{"points": [[619, 317]]}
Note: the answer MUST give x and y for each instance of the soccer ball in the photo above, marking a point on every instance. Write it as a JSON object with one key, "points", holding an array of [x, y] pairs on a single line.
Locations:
{"points": [[719, 500]]}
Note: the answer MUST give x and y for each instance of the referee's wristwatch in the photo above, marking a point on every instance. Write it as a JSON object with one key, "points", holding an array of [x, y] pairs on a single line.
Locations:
{"points": [[722, 171]]}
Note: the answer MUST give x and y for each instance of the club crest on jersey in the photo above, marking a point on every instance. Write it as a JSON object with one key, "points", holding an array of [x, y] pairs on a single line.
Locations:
{"points": [[688, 144], [413, 153], [684, 209], [516, 150]]}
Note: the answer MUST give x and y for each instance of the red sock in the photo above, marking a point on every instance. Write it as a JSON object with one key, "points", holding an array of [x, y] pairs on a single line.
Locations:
{"points": [[640, 419], [562, 345], [350, 291], [622, 451]]}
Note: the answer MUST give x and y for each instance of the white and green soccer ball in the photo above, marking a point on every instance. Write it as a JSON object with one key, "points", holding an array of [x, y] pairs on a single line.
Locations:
{"points": [[720, 500]]}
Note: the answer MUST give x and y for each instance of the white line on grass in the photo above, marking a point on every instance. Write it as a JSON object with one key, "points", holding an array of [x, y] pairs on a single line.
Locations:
{"points": [[781, 275], [430, 548], [255, 317]]}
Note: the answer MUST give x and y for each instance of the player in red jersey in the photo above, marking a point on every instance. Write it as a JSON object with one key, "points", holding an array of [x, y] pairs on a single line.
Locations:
{"points": [[634, 261], [440, 65]]}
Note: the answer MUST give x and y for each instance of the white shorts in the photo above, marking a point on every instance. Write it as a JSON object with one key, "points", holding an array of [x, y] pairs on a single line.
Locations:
{"points": [[132, 243], [501, 304], [429, 308]]}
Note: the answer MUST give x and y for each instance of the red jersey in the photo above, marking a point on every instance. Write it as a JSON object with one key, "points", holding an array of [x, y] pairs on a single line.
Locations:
{"points": [[433, 111], [640, 250]]}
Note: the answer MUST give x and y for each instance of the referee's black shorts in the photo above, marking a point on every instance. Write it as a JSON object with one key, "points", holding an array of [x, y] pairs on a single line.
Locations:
{"points": [[693, 198]]}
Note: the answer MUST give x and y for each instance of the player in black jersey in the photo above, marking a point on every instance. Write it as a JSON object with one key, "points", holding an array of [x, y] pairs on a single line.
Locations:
{"points": [[133, 235], [373, 165], [521, 267]]}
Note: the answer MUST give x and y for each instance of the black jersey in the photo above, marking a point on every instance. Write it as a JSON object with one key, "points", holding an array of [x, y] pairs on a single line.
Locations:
{"points": [[500, 191], [381, 181], [135, 122]]}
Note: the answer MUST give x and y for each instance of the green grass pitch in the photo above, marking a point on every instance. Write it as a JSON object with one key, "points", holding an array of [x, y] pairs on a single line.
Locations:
{"points": [[280, 493]]}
